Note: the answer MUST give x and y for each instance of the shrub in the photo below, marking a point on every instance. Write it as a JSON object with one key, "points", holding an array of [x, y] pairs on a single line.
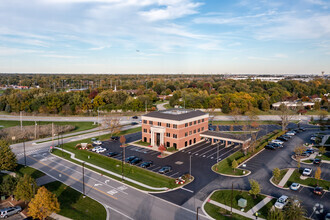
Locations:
{"points": [[78, 146]]}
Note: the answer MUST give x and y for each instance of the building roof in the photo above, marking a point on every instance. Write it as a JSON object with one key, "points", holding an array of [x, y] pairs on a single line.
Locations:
{"points": [[227, 135], [176, 114]]}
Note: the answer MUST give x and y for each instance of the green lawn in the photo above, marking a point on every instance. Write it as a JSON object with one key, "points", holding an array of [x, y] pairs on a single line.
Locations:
{"points": [[325, 156], [263, 212], [73, 205], [295, 178], [21, 169], [283, 172], [224, 166], [218, 213], [224, 197], [142, 143], [79, 126]]}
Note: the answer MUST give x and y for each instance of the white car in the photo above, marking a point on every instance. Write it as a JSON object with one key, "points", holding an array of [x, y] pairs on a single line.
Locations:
{"points": [[307, 172], [295, 186], [291, 133], [101, 150], [277, 142], [96, 148], [281, 202], [97, 142]]}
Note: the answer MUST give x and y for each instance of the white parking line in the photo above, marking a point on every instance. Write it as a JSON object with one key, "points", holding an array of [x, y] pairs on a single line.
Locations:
{"points": [[174, 174], [187, 190], [216, 152], [156, 168]]}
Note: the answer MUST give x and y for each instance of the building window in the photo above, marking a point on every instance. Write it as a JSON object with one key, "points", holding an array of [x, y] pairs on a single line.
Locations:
{"points": [[145, 130], [168, 125], [189, 142], [159, 124], [199, 130], [190, 132], [186, 134], [175, 136], [167, 144], [144, 121], [190, 123], [194, 122], [168, 135], [195, 131], [194, 140], [202, 128], [199, 121], [174, 145], [145, 139], [175, 126], [150, 131], [150, 122], [186, 125], [202, 120], [186, 144]]}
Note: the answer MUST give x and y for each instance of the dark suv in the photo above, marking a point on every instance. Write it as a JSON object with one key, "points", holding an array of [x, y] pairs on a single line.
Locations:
{"points": [[129, 159]]}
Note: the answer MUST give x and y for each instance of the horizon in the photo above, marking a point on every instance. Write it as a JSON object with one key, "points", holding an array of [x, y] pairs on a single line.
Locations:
{"points": [[242, 37]]}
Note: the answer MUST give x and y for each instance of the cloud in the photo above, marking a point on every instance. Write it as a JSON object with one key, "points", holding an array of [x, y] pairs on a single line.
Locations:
{"points": [[7, 51], [259, 58], [60, 56], [281, 55]]}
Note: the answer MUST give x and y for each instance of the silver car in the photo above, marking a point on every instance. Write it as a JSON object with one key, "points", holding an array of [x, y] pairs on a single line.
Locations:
{"points": [[6, 212]]}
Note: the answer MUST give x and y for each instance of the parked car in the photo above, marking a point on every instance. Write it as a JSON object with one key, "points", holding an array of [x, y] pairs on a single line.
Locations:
{"points": [[327, 216], [135, 117], [317, 161], [307, 172], [277, 141], [291, 133], [101, 150], [129, 159], [97, 142], [297, 130], [112, 154], [114, 138], [134, 123], [146, 164], [310, 151], [270, 147], [295, 186], [93, 139], [276, 145], [96, 148], [283, 138], [305, 154], [318, 191], [281, 202], [165, 169], [135, 161], [6, 212]]}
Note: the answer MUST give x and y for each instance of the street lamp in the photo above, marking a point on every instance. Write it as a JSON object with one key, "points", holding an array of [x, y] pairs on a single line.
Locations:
{"points": [[24, 151], [83, 173], [197, 213], [190, 166]]}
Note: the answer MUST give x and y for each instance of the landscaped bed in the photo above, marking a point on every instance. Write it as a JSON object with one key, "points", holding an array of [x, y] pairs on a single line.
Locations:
{"points": [[73, 205], [220, 213], [277, 181], [295, 178]]}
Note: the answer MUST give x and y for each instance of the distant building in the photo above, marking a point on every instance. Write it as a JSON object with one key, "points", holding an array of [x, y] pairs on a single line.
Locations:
{"points": [[294, 104], [176, 128]]}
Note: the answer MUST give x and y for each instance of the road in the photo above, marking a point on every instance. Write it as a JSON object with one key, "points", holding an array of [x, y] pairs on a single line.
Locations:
{"points": [[161, 106]]}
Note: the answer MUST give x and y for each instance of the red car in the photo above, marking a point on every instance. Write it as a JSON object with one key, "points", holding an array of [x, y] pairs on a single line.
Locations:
{"points": [[318, 191]]}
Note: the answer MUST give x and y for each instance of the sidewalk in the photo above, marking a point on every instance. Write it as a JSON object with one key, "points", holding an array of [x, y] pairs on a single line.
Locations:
{"points": [[246, 214], [58, 217], [286, 177], [259, 205]]}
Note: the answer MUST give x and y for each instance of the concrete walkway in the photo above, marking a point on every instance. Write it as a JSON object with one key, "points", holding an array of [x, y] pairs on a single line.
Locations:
{"points": [[248, 215], [59, 217], [161, 106], [259, 205], [286, 177], [44, 180]]}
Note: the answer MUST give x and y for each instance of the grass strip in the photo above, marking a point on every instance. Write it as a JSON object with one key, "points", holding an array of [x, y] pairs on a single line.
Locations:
{"points": [[277, 181], [219, 213], [73, 205]]}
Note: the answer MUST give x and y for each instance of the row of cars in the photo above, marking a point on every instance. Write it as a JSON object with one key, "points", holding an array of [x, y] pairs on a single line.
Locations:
{"points": [[278, 142]]}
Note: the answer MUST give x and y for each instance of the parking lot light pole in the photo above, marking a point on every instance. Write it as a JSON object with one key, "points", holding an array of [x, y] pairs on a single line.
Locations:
{"points": [[83, 173], [217, 152], [190, 167], [197, 212], [24, 152]]}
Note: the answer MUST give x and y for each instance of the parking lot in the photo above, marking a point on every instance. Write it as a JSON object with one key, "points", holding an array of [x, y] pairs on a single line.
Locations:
{"points": [[6, 204]]}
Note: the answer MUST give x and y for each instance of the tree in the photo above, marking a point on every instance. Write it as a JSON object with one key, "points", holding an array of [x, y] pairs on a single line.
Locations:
{"points": [[299, 150], [25, 188], [323, 115], [322, 150], [235, 114], [284, 115], [43, 204], [275, 214], [265, 105], [234, 165], [217, 128], [255, 188], [294, 211], [276, 174], [161, 148], [8, 185], [7, 157], [298, 163], [318, 173], [112, 124]]}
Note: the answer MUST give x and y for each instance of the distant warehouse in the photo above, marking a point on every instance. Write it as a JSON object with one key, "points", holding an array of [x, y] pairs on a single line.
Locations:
{"points": [[176, 128]]}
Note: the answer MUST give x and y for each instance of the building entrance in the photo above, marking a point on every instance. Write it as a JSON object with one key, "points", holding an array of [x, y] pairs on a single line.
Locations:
{"points": [[157, 139]]}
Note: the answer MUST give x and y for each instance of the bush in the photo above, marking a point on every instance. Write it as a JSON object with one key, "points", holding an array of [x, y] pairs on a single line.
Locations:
{"points": [[78, 146], [171, 149]]}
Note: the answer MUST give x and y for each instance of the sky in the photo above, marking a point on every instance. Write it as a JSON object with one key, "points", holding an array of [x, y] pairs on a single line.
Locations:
{"points": [[165, 36]]}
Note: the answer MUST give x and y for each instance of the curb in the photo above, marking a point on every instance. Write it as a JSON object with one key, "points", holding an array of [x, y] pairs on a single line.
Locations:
{"points": [[270, 180], [228, 175], [301, 161], [203, 204]]}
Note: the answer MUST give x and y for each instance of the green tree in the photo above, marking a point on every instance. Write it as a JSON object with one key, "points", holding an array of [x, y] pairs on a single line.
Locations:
{"points": [[7, 157], [25, 188], [43, 204], [275, 214], [298, 163], [265, 105], [255, 188], [8, 185], [234, 165], [277, 174], [294, 210]]}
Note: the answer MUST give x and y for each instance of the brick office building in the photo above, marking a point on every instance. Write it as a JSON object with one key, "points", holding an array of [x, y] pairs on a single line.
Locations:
{"points": [[176, 128]]}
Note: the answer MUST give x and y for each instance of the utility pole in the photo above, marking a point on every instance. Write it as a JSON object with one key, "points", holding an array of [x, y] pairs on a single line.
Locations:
{"points": [[190, 166], [21, 119], [231, 200], [217, 152], [53, 134], [122, 140], [83, 173], [146, 106], [197, 213], [35, 130], [98, 120]]}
